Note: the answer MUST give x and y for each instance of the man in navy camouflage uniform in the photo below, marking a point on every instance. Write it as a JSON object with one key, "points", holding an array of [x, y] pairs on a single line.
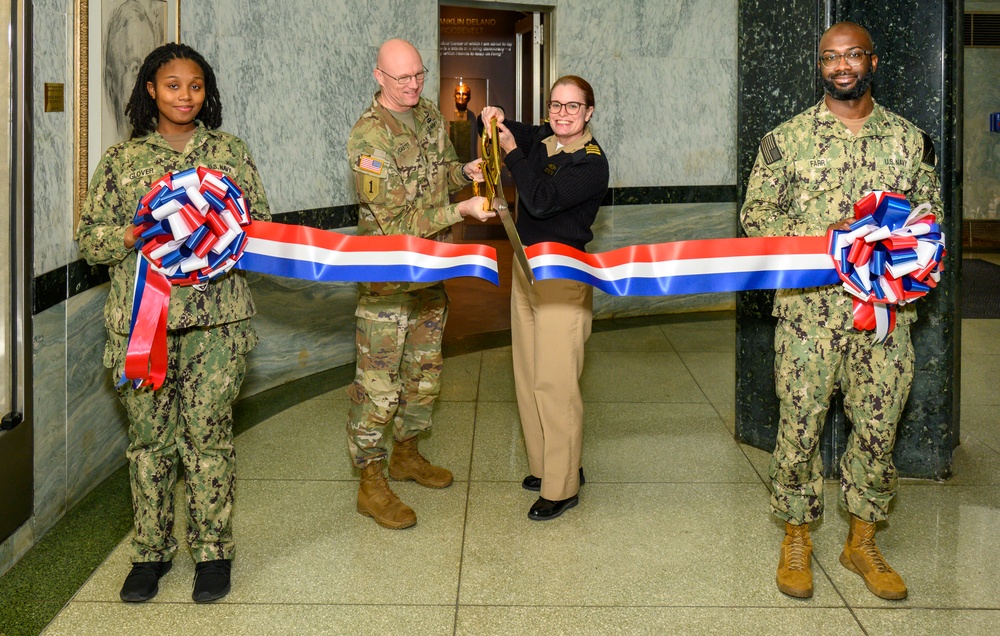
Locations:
{"points": [[809, 172]]}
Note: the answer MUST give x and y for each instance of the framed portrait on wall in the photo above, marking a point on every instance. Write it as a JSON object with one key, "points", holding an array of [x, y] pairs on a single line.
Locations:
{"points": [[113, 37]]}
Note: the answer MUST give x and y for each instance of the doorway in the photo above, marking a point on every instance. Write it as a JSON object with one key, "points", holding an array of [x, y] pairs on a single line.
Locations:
{"points": [[488, 55]]}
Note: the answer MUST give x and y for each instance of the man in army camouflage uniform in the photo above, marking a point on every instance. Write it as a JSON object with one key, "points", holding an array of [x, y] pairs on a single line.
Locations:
{"points": [[404, 167], [809, 172]]}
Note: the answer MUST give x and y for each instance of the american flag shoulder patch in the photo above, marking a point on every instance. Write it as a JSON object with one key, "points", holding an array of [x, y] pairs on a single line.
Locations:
{"points": [[368, 163], [769, 149]]}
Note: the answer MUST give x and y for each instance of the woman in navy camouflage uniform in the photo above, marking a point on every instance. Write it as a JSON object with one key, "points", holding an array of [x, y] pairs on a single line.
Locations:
{"points": [[175, 112]]}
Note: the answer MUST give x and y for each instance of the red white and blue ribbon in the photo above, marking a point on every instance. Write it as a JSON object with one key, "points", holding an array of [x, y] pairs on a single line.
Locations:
{"points": [[194, 225], [691, 267], [891, 256], [295, 251]]}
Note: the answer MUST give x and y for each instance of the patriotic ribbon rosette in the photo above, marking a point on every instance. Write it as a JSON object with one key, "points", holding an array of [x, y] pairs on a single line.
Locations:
{"points": [[891, 256], [194, 225]]}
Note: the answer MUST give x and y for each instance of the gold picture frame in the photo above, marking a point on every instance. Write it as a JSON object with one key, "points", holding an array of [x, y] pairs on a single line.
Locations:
{"points": [[98, 106]]}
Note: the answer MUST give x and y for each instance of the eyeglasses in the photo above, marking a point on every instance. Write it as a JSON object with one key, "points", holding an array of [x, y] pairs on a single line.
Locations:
{"points": [[854, 57], [572, 108], [406, 79]]}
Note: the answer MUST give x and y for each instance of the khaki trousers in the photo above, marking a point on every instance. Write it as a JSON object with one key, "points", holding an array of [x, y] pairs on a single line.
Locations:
{"points": [[550, 324]]}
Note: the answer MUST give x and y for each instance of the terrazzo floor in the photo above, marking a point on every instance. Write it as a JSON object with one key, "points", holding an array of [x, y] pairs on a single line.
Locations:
{"points": [[672, 534]]}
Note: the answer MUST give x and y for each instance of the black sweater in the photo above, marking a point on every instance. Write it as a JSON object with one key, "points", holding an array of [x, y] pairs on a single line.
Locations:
{"points": [[559, 195]]}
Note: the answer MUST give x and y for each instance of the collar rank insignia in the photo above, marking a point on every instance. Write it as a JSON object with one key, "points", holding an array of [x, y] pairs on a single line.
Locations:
{"points": [[593, 149], [368, 163]]}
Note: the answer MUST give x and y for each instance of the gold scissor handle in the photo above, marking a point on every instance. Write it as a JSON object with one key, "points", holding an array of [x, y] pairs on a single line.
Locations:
{"points": [[489, 150]]}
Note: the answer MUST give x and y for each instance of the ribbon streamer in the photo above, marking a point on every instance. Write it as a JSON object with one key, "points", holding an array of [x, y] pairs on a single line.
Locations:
{"points": [[891, 256], [295, 251], [194, 225], [691, 267]]}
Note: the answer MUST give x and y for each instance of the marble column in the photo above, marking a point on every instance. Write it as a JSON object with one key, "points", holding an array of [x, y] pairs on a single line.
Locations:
{"points": [[919, 77]]}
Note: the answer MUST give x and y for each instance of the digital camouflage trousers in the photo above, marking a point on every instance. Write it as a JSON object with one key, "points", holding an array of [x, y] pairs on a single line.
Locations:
{"points": [[398, 373], [187, 421], [875, 380]]}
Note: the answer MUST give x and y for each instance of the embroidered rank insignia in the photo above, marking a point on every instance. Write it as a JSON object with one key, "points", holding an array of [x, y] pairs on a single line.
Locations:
{"points": [[769, 149], [551, 169], [370, 164], [593, 149]]}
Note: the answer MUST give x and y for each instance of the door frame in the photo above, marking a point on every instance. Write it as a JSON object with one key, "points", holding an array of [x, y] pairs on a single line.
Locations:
{"points": [[16, 434]]}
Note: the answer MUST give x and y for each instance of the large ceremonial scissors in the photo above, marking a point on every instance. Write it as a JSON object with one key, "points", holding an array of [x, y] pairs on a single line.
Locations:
{"points": [[489, 150]]}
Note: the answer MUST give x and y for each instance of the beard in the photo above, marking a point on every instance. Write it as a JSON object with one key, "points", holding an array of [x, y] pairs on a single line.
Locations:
{"points": [[849, 94]]}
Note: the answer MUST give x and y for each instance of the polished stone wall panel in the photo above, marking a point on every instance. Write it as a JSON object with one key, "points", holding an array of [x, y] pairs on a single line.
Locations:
{"points": [[649, 224], [298, 139], [677, 29], [777, 53], [687, 138], [918, 77], [920, 63], [292, 87], [292, 90], [14, 546], [53, 138], [96, 425], [664, 84], [981, 191], [304, 328], [49, 415]]}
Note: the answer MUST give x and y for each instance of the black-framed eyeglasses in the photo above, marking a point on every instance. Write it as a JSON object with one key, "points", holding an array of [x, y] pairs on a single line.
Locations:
{"points": [[406, 79], [854, 57], [572, 108]]}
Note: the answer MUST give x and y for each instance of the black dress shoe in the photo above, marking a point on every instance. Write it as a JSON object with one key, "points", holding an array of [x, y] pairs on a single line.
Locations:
{"points": [[211, 580], [535, 483], [142, 583], [545, 509]]}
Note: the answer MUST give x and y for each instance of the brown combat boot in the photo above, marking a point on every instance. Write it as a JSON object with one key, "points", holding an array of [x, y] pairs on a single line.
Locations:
{"points": [[376, 500], [407, 463], [863, 557], [795, 577]]}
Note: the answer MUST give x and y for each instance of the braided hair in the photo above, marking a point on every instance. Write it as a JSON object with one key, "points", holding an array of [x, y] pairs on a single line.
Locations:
{"points": [[141, 109]]}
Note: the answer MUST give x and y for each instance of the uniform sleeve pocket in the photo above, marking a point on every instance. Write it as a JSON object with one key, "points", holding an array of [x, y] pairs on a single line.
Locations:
{"points": [[370, 173]]}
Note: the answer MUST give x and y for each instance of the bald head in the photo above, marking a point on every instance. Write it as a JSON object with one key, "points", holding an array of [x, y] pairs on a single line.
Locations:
{"points": [[847, 66], [397, 52], [851, 30]]}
